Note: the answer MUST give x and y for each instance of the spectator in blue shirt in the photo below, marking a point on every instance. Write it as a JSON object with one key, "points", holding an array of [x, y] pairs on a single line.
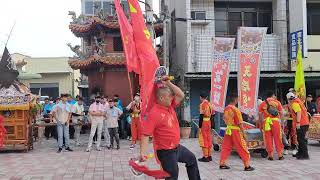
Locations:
{"points": [[119, 102], [71, 101], [47, 108]]}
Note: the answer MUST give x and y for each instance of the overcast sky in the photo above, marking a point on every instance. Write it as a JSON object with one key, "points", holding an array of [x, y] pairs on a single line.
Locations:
{"points": [[41, 28]]}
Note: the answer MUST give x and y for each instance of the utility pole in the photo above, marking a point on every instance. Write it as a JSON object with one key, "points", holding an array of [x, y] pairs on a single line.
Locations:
{"points": [[149, 19]]}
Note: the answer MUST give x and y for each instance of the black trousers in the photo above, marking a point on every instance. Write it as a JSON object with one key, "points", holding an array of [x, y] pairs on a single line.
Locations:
{"points": [[113, 132], [169, 161], [303, 142], [289, 137], [50, 131]]}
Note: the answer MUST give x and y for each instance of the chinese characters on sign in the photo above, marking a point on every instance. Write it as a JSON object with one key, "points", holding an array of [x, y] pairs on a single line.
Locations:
{"points": [[295, 38], [250, 41], [220, 71]]}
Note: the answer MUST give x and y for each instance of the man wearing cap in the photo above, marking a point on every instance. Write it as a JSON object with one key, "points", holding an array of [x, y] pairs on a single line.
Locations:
{"points": [[234, 136], [162, 123], [301, 122], [134, 108], [205, 137], [271, 124]]}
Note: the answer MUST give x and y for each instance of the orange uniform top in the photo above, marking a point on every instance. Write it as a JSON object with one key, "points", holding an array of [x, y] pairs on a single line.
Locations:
{"points": [[298, 106], [272, 102], [206, 109], [232, 116]]}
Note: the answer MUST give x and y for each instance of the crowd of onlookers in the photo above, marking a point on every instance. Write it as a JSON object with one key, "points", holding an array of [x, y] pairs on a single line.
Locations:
{"points": [[67, 117]]}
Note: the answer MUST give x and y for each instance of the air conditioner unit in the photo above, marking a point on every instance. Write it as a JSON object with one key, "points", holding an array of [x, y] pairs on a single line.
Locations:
{"points": [[198, 15]]}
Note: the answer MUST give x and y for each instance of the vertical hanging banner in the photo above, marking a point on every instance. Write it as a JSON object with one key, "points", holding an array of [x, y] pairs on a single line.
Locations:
{"points": [[222, 48], [250, 40]]}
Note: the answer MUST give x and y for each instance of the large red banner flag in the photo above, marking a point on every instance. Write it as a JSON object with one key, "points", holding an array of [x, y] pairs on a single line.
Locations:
{"points": [[222, 48], [148, 58], [127, 40], [250, 40]]}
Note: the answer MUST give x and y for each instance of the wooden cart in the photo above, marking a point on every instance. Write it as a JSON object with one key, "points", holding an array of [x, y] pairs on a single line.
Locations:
{"points": [[314, 128], [15, 108]]}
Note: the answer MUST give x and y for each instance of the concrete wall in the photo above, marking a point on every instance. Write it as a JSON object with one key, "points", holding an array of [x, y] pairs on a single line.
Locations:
{"points": [[280, 29], [54, 70], [63, 79], [311, 63]]}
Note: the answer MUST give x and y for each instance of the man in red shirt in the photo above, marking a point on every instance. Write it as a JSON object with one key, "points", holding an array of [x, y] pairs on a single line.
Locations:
{"points": [[163, 125]]}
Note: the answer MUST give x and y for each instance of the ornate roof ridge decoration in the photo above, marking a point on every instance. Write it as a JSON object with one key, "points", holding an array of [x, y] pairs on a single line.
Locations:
{"points": [[111, 59], [87, 23], [21, 63]]}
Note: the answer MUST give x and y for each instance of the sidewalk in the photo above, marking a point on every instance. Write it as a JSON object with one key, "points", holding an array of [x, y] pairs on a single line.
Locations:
{"points": [[44, 163]]}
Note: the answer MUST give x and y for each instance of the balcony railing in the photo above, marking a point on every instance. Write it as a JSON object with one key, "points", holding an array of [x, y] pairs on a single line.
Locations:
{"points": [[202, 54]]}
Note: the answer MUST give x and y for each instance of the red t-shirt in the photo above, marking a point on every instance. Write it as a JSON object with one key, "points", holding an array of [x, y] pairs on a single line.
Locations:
{"points": [[162, 123]]}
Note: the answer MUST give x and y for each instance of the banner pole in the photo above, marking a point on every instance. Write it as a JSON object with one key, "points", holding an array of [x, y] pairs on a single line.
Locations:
{"points": [[130, 85]]}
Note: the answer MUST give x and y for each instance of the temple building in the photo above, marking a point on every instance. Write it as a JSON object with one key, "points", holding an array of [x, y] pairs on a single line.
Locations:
{"points": [[100, 57]]}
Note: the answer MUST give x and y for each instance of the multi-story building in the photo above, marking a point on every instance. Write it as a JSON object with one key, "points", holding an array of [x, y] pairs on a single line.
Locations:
{"points": [[310, 11], [100, 57], [49, 76], [191, 25]]}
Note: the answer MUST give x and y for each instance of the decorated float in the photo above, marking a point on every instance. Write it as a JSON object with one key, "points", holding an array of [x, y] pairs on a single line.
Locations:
{"points": [[15, 107], [314, 128]]}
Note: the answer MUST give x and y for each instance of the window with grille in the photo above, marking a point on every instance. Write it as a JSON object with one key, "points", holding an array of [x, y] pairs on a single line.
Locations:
{"points": [[88, 7], [173, 28], [231, 15], [313, 15], [198, 15], [117, 44]]}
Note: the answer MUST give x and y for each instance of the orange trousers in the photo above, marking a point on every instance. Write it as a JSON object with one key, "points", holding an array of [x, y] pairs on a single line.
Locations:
{"points": [[205, 138], [135, 130], [237, 141], [273, 135]]}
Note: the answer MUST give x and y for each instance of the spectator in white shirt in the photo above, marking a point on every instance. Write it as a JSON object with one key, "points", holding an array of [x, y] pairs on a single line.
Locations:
{"points": [[105, 131], [77, 118], [62, 114], [97, 112]]}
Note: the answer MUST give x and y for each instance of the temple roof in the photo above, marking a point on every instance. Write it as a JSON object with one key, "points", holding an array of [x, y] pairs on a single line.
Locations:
{"points": [[80, 28], [110, 59]]}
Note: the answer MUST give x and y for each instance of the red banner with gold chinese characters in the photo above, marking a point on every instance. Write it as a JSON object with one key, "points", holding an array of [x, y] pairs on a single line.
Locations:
{"points": [[250, 40], [220, 71]]}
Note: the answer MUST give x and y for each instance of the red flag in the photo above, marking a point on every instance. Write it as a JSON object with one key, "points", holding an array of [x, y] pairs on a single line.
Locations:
{"points": [[148, 58], [127, 40]]}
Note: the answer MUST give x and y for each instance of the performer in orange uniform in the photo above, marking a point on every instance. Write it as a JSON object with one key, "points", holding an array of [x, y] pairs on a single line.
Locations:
{"points": [[301, 122], [134, 107], [205, 137], [234, 136], [272, 125], [291, 130]]}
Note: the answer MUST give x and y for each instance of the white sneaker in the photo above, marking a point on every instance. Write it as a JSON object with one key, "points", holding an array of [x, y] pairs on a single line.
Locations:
{"points": [[132, 146], [294, 152], [78, 144], [99, 149], [285, 152], [88, 150]]}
